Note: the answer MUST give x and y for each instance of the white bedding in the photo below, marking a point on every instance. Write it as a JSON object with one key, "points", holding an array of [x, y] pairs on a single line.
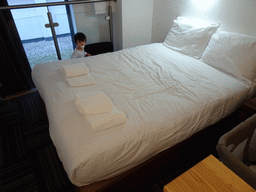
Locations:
{"points": [[165, 95]]}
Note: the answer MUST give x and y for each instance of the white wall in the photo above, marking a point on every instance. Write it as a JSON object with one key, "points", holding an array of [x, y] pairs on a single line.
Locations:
{"points": [[132, 23], [90, 20], [234, 15], [163, 14], [136, 22], [117, 25]]}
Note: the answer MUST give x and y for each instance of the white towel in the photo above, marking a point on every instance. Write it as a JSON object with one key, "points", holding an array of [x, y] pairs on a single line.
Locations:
{"points": [[93, 103], [73, 70], [81, 81], [106, 120]]}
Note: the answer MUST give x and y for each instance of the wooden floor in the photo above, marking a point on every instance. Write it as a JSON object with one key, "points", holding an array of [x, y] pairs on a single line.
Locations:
{"points": [[28, 158]]}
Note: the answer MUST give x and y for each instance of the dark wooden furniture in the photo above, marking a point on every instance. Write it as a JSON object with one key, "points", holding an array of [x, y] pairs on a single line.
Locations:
{"points": [[248, 109], [99, 48]]}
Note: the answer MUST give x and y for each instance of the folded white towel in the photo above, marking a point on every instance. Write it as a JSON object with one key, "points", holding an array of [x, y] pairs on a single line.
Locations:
{"points": [[93, 103], [106, 120], [81, 81], [73, 70]]}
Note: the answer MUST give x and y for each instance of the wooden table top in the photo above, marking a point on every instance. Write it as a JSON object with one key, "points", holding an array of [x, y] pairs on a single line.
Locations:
{"points": [[208, 175]]}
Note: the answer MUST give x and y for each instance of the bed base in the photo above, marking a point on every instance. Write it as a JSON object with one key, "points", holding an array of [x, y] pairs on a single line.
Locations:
{"points": [[176, 159]]}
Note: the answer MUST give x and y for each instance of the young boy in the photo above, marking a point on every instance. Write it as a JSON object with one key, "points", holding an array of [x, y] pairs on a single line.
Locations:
{"points": [[80, 40]]}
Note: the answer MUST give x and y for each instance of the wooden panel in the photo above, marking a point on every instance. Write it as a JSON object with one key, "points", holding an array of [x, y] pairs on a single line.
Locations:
{"points": [[208, 175], [248, 109]]}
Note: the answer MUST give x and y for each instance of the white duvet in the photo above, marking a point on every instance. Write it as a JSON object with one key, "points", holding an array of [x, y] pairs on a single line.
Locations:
{"points": [[165, 95]]}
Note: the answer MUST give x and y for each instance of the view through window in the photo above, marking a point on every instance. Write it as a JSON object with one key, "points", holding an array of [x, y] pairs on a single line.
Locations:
{"points": [[37, 40]]}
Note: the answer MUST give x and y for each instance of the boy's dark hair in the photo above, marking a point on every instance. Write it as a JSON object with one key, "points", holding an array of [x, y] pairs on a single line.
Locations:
{"points": [[79, 36]]}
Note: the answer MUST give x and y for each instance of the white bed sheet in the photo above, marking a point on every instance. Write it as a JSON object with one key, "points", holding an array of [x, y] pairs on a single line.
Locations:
{"points": [[165, 95]]}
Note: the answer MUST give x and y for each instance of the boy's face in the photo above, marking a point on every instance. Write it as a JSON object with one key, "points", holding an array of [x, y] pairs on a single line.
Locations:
{"points": [[81, 43]]}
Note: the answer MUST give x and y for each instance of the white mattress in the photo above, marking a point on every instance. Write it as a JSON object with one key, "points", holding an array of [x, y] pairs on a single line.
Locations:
{"points": [[165, 95]]}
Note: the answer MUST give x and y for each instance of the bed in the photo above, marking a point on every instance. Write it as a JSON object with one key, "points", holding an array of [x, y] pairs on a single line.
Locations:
{"points": [[167, 94]]}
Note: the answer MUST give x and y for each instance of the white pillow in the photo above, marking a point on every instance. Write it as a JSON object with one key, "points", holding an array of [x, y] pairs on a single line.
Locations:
{"points": [[232, 53], [190, 36]]}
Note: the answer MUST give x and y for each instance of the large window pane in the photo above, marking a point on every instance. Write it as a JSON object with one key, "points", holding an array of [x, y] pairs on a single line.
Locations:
{"points": [[36, 39], [89, 18]]}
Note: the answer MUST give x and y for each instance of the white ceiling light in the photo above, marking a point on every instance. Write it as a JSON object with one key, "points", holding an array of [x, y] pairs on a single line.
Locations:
{"points": [[203, 4]]}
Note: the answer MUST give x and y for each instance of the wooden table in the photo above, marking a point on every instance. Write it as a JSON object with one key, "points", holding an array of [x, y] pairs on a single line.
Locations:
{"points": [[208, 175]]}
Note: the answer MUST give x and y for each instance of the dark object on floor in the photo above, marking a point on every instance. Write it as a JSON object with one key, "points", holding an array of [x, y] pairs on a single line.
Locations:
{"points": [[233, 148], [28, 158], [99, 48]]}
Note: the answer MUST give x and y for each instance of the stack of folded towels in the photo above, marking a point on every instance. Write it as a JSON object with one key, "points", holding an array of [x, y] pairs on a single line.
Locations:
{"points": [[77, 75], [99, 110]]}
